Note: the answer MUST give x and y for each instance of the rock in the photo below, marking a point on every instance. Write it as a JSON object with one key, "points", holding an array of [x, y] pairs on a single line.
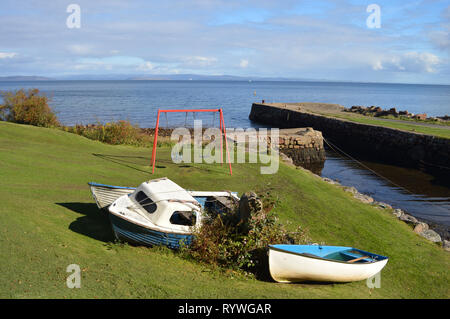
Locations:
{"points": [[421, 227], [409, 219], [363, 198], [420, 116], [286, 159], [446, 245], [384, 205], [431, 235], [398, 212], [351, 190], [249, 204], [329, 180]]}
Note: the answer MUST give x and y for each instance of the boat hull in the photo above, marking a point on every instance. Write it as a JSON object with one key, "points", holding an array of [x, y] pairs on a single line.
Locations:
{"points": [[105, 195], [130, 232], [288, 267]]}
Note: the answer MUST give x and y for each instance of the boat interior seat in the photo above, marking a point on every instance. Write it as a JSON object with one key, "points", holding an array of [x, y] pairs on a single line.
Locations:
{"points": [[355, 255]]}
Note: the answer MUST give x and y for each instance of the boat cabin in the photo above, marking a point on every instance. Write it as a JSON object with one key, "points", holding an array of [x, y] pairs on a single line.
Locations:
{"points": [[166, 204]]}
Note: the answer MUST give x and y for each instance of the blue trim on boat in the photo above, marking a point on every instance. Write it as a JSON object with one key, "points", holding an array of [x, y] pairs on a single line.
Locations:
{"points": [[109, 186], [144, 236], [327, 252]]}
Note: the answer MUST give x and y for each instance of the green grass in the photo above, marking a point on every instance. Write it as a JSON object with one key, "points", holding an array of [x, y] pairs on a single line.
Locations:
{"points": [[48, 220], [406, 126]]}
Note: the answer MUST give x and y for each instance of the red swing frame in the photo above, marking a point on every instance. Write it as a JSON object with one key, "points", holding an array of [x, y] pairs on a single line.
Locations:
{"points": [[223, 133]]}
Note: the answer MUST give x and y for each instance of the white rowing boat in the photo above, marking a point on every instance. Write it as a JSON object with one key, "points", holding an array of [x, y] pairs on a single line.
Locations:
{"points": [[297, 263]]}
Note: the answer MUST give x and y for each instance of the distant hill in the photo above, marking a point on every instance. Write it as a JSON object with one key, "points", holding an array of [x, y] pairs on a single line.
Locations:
{"points": [[24, 78], [148, 77]]}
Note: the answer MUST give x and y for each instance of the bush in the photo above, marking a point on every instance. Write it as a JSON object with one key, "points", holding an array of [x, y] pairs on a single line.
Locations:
{"points": [[120, 132], [27, 107], [229, 242]]}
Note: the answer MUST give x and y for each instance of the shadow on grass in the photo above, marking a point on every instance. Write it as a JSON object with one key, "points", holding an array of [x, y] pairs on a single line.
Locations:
{"points": [[94, 223], [126, 161]]}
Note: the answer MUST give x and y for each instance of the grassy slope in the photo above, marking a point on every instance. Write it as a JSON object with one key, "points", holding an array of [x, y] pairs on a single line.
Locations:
{"points": [[405, 125], [48, 220]]}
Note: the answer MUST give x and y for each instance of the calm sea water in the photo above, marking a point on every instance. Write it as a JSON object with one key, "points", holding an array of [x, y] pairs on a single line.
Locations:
{"points": [[90, 101], [82, 102]]}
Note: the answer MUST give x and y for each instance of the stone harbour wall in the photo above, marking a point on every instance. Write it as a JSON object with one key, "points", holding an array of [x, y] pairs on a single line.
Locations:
{"points": [[304, 146], [403, 148]]}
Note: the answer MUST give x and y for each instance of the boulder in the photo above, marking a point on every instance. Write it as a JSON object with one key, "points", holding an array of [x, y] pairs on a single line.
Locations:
{"points": [[363, 198], [384, 205], [409, 219], [329, 180], [398, 212], [446, 245], [431, 235], [351, 190], [249, 204], [286, 159], [421, 227]]}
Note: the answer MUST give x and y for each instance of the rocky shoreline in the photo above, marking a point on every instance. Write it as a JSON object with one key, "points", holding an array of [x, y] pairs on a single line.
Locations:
{"points": [[431, 231], [377, 111]]}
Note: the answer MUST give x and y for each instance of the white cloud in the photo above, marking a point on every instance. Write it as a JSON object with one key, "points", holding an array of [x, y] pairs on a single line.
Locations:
{"points": [[5, 55], [80, 49], [146, 66], [243, 63], [199, 61], [424, 62]]}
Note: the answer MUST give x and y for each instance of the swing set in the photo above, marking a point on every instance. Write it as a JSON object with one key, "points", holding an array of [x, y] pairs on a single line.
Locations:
{"points": [[223, 132]]}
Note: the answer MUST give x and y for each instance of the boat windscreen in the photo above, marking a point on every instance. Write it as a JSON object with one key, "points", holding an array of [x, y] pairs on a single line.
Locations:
{"points": [[145, 202]]}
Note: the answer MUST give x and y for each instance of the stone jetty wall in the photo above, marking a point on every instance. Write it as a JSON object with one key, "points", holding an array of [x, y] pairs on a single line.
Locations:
{"points": [[395, 146], [304, 146]]}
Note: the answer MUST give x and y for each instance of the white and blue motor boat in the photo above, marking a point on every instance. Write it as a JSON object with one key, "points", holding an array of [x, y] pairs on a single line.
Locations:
{"points": [[157, 212]]}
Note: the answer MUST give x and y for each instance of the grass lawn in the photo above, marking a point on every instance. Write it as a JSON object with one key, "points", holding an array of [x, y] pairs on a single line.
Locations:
{"points": [[405, 125], [48, 220]]}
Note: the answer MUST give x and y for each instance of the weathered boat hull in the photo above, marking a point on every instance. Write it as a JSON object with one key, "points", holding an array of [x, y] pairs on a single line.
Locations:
{"points": [[105, 195], [130, 232], [288, 267]]}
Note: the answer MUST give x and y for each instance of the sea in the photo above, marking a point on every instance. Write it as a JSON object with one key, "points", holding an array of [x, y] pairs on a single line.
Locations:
{"points": [[85, 102]]}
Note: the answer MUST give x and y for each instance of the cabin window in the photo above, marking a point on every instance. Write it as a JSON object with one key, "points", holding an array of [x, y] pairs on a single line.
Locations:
{"points": [[145, 202], [183, 218]]}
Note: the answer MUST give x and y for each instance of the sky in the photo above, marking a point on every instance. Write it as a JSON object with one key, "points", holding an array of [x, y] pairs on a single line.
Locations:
{"points": [[316, 40]]}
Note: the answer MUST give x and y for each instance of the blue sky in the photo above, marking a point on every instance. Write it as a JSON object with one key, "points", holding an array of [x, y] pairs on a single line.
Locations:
{"points": [[321, 39]]}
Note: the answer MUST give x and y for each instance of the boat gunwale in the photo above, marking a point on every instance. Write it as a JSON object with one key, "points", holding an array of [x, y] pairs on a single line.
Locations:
{"points": [[325, 259], [110, 186]]}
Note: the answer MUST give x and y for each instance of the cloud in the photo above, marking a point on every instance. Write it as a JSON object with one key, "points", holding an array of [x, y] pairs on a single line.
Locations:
{"points": [[408, 62], [244, 63], [80, 49], [7, 55], [198, 61], [147, 66], [322, 40]]}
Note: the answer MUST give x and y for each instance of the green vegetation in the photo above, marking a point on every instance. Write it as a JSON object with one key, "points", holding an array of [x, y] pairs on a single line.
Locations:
{"points": [[406, 125], [31, 107], [27, 107], [239, 243], [120, 132], [48, 221], [410, 119]]}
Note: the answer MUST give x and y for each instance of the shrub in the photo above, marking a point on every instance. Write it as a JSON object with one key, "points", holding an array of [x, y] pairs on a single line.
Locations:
{"points": [[27, 107], [231, 243], [120, 132]]}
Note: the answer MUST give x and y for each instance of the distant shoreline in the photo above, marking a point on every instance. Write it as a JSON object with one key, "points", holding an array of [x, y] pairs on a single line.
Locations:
{"points": [[193, 77]]}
